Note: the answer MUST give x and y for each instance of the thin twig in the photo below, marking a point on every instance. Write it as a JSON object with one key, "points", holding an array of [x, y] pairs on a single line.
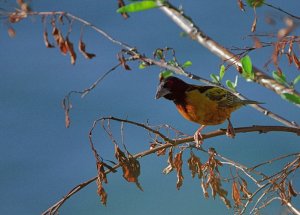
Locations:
{"points": [[188, 26], [169, 143], [281, 10]]}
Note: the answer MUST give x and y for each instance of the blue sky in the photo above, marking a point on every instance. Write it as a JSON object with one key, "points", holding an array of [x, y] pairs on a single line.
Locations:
{"points": [[41, 160]]}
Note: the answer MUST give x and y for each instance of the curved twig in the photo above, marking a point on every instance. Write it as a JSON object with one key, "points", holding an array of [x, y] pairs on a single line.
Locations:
{"points": [[169, 143]]}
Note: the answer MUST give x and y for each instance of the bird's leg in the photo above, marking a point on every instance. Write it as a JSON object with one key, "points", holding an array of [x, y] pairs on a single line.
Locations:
{"points": [[230, 130], [198, 137]]}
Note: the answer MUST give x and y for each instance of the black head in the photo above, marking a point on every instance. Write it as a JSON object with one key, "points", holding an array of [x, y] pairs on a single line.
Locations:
{"points": [[171, 88]]}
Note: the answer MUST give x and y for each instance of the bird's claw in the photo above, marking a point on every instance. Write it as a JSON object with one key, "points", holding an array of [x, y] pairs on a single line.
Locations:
{"points": [[198, 139], [230, 130]]}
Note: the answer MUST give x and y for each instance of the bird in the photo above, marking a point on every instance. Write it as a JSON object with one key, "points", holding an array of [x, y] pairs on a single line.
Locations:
{"points": [[205, 105]]}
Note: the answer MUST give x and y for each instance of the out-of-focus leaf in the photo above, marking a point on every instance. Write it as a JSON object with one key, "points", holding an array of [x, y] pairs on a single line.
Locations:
{"points": [[296, 80], [255, 3], [280, 77], [291, 98], [215, 78], [165, 74], [143, 65], [11, 32], [17, 17], [230, 85], [187, 64], [296, 61], [137, 6]]}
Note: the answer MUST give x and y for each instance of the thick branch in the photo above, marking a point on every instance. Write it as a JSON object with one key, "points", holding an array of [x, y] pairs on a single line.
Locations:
{"points": [[187, 25]]}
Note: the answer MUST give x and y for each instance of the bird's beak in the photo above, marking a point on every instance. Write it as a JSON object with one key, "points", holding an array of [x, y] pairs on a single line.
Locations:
{"points": [[161, 91]]}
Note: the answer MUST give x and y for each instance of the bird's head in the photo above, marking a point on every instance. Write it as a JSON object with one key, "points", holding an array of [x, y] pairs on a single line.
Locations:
{"points": [[171, 88]]}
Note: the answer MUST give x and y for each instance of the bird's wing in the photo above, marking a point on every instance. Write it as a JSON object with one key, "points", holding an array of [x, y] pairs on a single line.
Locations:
{"points": [[223, 97]]}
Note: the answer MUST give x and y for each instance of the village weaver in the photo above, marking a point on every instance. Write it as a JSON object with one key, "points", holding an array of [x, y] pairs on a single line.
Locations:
{"points": [[205, 105]]}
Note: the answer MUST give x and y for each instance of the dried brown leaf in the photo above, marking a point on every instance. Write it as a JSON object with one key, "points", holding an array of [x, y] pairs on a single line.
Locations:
{"points": [[195, 165], [291, 189], [101, 192], [290, 58], [283, 32], [67, 119], [130, 166], [60, 41], [269, 20], [178, 166], [170, 166], [46, 40], [244, 189], [204, 187], [16, 17], [257, 43], [11, 32], [253, 27], [101, 172], [70, 48], [122, 60], [296, 61], [81, 47], [122, 4], [275, 53], [236, 194], [241, 5]]}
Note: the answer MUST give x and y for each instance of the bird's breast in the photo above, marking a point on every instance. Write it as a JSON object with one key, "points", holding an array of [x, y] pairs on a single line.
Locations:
{"points": [[200, 109]]}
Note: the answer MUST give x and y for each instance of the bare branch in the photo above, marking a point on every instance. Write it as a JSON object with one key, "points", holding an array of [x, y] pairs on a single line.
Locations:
{"points": [[168, 143]]}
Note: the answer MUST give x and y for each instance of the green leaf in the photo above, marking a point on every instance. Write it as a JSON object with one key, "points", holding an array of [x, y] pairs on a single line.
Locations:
{"points": [[248, 73], [142, 65], [291, 98], [137, 6], [236, 81], [187, 64], [215, 78], [280, 77], [255, 3], [165, 74], [230, 85], [222, 72], [296, 80]]}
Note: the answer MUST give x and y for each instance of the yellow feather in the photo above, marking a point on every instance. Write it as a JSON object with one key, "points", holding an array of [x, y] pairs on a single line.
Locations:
{"points": [[206, 108]]}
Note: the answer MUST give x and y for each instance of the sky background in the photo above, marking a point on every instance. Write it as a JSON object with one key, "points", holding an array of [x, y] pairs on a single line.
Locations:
{"points": [[41, 160]]}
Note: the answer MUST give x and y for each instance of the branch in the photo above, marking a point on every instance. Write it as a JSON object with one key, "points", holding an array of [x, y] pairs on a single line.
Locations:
{"points": [[188, 26], [168, 143], [136, 55]]}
